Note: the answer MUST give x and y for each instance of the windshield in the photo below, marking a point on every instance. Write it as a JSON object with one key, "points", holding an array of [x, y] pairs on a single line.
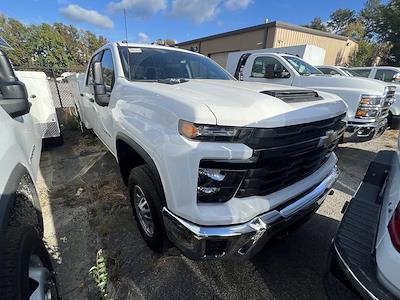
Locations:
{"points": [[301, 66], [353, 73], [347, 72], [152, 64]]}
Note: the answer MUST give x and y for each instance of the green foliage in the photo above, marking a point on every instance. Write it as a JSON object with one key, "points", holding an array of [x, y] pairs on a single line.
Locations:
{"points": [[46, 45], [100, 275], [316, 24], [354, 30], [388, 30], [340, 19], [376, 28], [369, 17]]}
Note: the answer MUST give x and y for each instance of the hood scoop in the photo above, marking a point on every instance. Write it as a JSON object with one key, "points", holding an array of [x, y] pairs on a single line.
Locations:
{"points": [[294, 95]]}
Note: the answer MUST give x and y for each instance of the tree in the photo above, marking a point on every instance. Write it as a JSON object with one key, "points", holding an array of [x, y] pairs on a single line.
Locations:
{"points": [[355, 30], [16, 34], [370, 54], [45, 45], [388, 29], [316, 24], [340, 19], [369, 16], [48, 47]]}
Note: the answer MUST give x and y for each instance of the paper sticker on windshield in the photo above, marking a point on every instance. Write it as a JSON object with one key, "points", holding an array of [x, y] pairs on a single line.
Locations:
{"points": [[135, 50]]}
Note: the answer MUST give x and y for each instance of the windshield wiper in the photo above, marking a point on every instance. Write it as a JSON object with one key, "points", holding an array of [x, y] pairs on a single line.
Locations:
{"points": [[172, 80]]}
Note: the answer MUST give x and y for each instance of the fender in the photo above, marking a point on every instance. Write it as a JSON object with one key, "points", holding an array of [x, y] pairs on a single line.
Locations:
{"points": [[147, 158], [7, 198]]}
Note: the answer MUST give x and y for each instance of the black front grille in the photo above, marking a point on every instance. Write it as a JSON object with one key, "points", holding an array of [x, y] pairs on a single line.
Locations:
{"points": [[284, 155], [294, 95]]}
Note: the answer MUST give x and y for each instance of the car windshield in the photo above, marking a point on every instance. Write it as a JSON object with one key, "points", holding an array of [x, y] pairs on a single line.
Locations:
{"points": [[347, 72], [301, 66], [354, 73], [152, 64]]}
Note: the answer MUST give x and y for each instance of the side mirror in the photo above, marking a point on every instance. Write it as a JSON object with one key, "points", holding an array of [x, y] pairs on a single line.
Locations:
{"points": [[13, 94], [101, 96], [396, 78]]}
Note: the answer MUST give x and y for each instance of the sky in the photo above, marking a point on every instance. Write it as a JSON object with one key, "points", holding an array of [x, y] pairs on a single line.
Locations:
{"points": [[181, 20]]}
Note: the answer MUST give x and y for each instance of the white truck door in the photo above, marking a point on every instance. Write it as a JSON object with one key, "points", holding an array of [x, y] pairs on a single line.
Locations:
{"points": [[104, 119], [266, 68]]}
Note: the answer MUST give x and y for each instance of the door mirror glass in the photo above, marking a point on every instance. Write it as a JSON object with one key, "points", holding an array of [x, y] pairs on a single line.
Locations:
{"points": [[101, 96], [13, 94]]}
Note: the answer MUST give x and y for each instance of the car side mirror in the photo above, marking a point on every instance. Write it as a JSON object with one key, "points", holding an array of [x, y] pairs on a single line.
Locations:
{"points": [[396, 78], [13, 94], [101, 96]]}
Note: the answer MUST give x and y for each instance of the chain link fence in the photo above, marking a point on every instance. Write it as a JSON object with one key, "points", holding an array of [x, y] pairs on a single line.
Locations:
{"points": [[63, 84]]}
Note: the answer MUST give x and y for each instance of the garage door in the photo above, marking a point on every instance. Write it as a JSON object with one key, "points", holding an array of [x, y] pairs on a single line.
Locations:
{"points": [[220, 58]]}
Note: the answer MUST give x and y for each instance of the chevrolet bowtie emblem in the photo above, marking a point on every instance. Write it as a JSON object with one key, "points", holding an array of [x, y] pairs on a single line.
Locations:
{"points": [[326, 140]]}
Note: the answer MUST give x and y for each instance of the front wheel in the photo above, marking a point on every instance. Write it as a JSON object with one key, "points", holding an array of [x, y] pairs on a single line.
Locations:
{"points": [[147, 207], [26, 271]]}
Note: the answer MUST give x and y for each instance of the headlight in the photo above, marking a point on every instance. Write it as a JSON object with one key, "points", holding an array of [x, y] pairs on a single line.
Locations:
{"points": [[370, 100], [214, 133], [366, 113]]}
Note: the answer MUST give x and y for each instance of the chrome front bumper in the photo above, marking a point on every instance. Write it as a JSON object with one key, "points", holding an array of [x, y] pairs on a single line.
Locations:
{"points": [[356, 132], [243, 240]]}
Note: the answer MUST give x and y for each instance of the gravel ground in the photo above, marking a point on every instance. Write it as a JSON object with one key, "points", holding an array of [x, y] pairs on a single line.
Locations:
{"points": [[85, 210]]}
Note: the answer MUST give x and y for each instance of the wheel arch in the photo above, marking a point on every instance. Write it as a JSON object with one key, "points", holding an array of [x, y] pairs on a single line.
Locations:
{"points": [[130, 155], [8, 196]]}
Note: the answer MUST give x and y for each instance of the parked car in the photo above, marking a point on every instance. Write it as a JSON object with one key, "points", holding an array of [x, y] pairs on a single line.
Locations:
{"points": [[368, 101], [366, 249], [216, 165], [336, 70], [25, 266], [383, 73]]}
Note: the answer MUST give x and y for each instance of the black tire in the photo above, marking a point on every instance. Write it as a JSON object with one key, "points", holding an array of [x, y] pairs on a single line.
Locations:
{"points": [[143, 177], [20, 245]]}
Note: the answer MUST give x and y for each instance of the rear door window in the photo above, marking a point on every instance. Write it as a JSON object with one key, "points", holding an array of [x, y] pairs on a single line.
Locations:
{"points": [[385, 75], [363, 72]]}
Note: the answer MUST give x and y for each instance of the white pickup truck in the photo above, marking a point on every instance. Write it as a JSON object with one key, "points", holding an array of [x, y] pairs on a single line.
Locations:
{"points": [[216, 165], [366, 249], [368, 100], [25, 267]]}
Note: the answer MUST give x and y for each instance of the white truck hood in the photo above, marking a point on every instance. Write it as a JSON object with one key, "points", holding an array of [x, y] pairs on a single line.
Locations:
{"points": [[332, 83], [236, 103]]}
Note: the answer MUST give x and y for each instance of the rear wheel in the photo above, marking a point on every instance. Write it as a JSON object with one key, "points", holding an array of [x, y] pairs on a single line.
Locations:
{"points": [[147, 207], [25, 267]]}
